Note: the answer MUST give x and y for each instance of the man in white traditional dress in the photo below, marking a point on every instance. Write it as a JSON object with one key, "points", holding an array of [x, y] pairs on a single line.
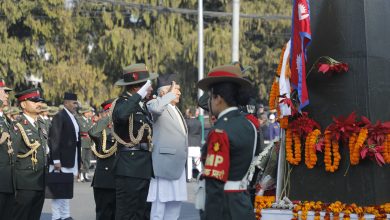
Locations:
{"points": [[168, 189]]}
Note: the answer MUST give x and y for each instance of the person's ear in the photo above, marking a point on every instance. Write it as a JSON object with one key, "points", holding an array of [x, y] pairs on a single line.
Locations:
{"points": [[23, 105]]}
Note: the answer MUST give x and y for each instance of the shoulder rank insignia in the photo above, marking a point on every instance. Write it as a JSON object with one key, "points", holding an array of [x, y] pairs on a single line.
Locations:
{"points": [[218, 156]]}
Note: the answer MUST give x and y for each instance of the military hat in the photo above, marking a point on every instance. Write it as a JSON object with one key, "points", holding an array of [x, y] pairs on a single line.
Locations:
{"points": [[44, 107], [85, 109], [107, 104], [6, 110], [33, 95], [166, 79], [70, 96], [15, 111], [226, 73], [243, 69], [53, 110], [134, 74], [3, 86]]}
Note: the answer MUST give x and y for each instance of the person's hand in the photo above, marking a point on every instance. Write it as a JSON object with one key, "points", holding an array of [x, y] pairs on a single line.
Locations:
{"points": [[173, 85], [57, 166], [143, 91]]}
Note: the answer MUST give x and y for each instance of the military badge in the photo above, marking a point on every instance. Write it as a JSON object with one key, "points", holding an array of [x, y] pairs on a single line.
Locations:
{"points": [[216, 147], [217, 162]]}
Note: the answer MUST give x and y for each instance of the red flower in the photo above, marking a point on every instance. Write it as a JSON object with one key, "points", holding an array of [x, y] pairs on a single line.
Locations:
{"points": [[323, 67], [330, 65], [343, 127], [303, 124]]}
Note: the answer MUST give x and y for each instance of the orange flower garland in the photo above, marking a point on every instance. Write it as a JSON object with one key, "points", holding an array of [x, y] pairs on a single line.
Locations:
{"points": [[290, 138], [386, 149], [283, 122], [331, 147], [355, 151], [336, 208], [351, 145], [310, 149], [274, 95], [262, 202]]}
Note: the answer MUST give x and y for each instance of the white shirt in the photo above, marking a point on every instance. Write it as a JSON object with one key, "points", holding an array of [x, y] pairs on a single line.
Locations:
{"points": [[76, 126], [30, 119]]}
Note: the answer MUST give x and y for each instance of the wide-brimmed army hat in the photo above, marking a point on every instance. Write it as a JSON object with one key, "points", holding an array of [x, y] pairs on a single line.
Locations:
{"points": [[134, 74], [85, 109], [15, 111], [225, 73], [3, 86], [34, 95], [53, 110], [44, 107]]}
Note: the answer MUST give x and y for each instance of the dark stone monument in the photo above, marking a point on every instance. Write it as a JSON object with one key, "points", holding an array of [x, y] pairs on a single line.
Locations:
{"points": [[358, 33]]}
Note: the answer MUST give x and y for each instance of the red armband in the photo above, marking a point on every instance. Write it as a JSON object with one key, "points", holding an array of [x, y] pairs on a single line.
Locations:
{"points": [[217, 162]]}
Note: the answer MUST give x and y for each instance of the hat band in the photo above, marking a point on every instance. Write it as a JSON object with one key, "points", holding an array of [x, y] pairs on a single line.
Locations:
{"points": [[106, 107], [135, 76], [2, 84], [28, 96], [222, 73]]}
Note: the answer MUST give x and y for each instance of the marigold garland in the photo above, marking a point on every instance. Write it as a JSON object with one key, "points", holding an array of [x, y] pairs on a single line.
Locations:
{"points": [[279, 70], [300, 210], [283, 122], [354, 155], [351, 145], [310, 149], [274, 95], [386, 149], [331, 148], [293, 157], [262, 202]]}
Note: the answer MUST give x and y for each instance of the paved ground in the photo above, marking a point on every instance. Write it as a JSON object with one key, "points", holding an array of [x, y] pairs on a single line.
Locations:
{"points": [[83, 206]]}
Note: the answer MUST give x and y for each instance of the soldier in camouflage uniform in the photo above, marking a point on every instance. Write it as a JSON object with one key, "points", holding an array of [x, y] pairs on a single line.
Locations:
{"points": [[103, 180], [85, 123], [7, 157], [30, 165]]}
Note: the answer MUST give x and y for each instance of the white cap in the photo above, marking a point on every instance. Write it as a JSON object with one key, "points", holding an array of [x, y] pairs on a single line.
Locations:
{"points": [[271, 116]]}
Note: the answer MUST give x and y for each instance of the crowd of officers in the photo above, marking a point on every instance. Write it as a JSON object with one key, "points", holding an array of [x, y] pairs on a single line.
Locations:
{"points": [[122, 144]]}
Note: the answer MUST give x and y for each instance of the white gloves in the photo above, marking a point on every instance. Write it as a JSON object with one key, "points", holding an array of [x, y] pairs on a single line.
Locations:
{"points": [[143, 91]]}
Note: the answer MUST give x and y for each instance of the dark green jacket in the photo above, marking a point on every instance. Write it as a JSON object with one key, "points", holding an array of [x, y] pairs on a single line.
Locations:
{"points": [[6, 160], [84, 125], [30, 176], [241, 136], [137, 164], [104, 175]]}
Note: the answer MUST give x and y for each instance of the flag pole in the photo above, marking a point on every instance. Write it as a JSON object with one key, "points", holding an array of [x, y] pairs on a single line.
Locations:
{"points": [[200, 60]]}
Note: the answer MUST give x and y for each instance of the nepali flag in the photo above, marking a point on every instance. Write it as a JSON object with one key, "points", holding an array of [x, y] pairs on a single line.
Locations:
{"points": [[301, 37]]}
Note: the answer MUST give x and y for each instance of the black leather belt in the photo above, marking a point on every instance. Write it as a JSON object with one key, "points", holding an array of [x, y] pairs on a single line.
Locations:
{"points": [[141, 146]]}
